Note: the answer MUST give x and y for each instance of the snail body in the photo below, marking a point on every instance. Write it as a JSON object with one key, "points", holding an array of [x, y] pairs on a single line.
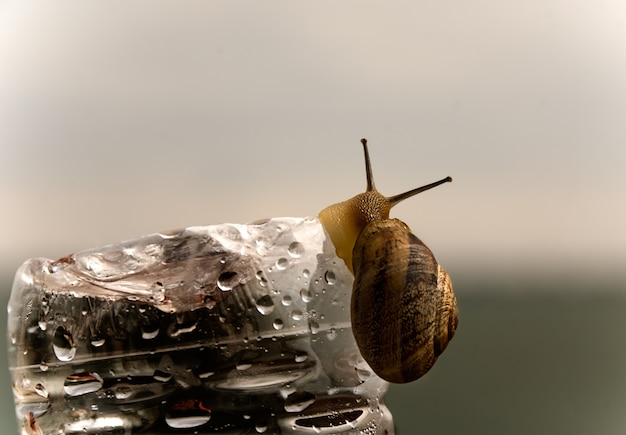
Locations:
{"points": [[403, 308]]}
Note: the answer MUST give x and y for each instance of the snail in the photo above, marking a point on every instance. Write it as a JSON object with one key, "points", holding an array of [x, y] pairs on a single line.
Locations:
{"points": [[403, 308], [197, 295]]}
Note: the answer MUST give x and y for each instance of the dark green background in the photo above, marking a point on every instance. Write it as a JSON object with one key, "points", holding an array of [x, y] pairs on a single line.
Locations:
{"points": [[550, 361], [544, 357]]}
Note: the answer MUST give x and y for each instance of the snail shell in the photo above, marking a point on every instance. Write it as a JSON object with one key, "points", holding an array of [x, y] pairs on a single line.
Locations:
{"points": [[403, 308]]}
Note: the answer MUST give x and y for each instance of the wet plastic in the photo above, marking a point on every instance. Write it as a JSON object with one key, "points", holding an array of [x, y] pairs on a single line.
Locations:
{"points": [[231, 329]]}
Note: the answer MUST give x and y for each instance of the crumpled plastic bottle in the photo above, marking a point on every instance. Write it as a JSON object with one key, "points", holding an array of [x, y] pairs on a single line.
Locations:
{"points": [[232, 329]]}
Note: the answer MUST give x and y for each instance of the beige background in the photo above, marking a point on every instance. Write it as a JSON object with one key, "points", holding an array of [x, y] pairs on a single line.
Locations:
{"points": [[120, 119]]}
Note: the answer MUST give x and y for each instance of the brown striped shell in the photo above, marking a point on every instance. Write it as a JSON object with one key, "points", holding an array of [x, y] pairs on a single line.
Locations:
{"points": [[403, 308]]}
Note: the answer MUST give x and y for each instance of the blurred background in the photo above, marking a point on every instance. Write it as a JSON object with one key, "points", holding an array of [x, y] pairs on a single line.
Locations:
{"points": [[121, 119]]}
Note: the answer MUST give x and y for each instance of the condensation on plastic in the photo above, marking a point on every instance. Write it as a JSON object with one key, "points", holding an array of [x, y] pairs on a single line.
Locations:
{"points": [[212, 329]]}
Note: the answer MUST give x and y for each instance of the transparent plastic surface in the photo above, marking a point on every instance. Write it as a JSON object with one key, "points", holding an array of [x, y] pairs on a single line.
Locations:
{"points": [[227, 328]]}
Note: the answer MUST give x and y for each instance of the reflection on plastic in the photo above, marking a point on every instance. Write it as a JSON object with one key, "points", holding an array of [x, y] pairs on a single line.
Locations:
{"points": [[215, 329]]}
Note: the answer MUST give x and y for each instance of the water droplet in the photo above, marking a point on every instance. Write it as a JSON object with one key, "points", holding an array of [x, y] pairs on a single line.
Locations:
{"points": [[97, 342], [278, 324], [315, 327], [148, 333], [123, 392], [243, 365], [296, 315], [265, 305], [63, 344], [287, 390], [363, 375], [330, 278], [41, 390], [186, 414], [260, 276], [301, 356], [81, 383], [306, 273], [43, 325], [43, 367], [296, 249], [331, 334], [286, 300], [306, 295], [298, 401], [228, 280], [161, 375], [282, 263], [261, 426]]}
